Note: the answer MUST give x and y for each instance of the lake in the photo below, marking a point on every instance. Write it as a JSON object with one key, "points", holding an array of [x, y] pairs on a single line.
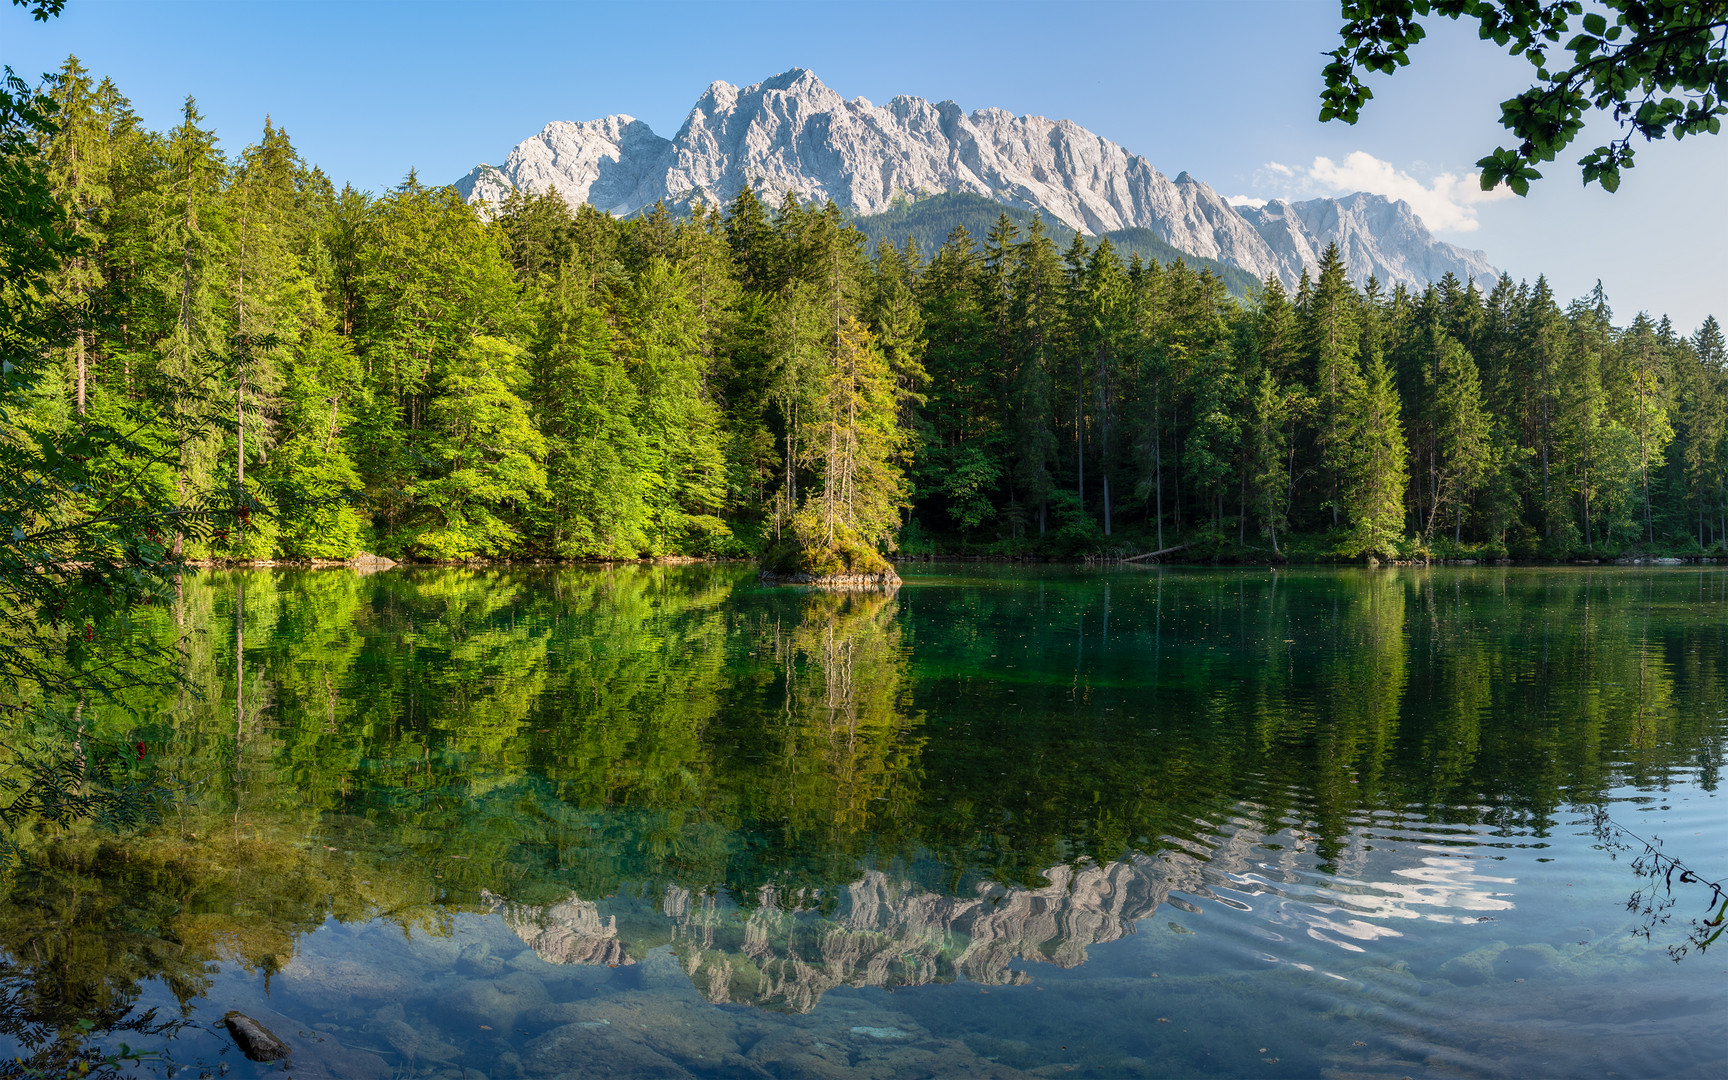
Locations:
{"points": [[649, 821]]}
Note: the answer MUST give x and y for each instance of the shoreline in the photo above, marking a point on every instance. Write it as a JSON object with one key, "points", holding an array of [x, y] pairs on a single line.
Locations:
{"points": [[376, 564]]}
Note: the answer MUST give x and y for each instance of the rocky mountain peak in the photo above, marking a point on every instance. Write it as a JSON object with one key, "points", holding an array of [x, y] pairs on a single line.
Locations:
{"points": [[793, 132]]}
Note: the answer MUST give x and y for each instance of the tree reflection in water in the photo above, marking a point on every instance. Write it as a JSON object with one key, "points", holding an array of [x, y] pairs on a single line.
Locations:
{"points": [[798, 791]]}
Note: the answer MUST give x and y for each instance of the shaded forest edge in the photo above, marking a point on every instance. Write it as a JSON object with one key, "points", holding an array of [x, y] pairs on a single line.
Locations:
{"points": [[550, 384]]}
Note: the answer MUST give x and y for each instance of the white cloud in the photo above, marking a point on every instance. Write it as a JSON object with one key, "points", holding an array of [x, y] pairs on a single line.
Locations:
{"points": [[1445, 204], [1245, 200]]}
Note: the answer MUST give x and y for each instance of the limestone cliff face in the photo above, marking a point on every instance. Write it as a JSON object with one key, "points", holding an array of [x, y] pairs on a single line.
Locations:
{"points": [[792, 132], [1376, 235], [616, 164]]}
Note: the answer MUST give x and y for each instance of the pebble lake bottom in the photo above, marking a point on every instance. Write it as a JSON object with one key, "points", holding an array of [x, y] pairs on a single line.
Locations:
{"points": [[666, 821]]}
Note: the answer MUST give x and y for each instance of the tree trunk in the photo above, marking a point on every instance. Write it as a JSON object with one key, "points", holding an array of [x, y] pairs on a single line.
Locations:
{"points": [[1158, 462], [1589, 538], [179, 503], [81, 372], [1079, 434], [1547, 516]]}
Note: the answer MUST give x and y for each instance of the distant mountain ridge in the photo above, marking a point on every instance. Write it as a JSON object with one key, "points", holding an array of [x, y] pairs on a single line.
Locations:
{"points": [[930, 219], [791, 132]]}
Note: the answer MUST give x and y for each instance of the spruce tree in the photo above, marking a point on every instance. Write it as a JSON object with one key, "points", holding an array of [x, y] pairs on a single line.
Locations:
{"points": [[1267, 442], [1035, 318], [1463, 436], [1333, 331], [1373, 470]]}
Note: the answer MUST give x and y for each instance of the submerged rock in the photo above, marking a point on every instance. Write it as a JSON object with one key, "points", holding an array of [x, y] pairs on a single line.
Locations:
{"points": [[325, 979], [254, 1039], [595, 1048], [1474, 967], [491, 1004]]}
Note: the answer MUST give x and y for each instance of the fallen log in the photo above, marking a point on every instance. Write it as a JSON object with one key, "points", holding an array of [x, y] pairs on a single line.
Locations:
{"points": [[1155, 554]]}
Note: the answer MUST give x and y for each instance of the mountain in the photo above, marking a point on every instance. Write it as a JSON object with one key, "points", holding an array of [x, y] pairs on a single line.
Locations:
{"points": [[791, 132], [1376, 235]]}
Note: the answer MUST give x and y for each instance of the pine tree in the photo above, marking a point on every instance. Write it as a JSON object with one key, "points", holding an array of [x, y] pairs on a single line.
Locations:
{"points": [[798, 340], [959, 465], [1035, 318], [1105, 340], [189, 225], [1149, 315], [853, 436], [1463, 435], [1215, 435], [1332, 331], [858, 440], [1705, 418], [1373, 471], [753, 241], [1647, 404], [1268, 484], [1538, 387], [79, 158]]}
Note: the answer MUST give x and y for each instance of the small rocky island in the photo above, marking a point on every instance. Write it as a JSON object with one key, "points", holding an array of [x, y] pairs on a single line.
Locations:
{"points": [[842, 563]]}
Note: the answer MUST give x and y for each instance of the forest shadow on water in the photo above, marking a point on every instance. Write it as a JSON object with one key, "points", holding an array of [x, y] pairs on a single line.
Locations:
{"points": [[666, 821]]}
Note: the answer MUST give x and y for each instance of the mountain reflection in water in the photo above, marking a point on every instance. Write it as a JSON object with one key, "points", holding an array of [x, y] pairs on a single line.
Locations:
{"points": [[1040, 782], [785, 952]]}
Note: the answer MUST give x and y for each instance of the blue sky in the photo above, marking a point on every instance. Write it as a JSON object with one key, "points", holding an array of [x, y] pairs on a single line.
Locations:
{"points": [[1224, 90]]}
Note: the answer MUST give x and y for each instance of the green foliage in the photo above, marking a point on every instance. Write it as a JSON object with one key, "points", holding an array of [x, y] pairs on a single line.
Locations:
{"points": [[819, 555], [1268, 478], [929, 220], [484, 455], [1373, 457], [92, 521], [405, 374], [1659, 68]]}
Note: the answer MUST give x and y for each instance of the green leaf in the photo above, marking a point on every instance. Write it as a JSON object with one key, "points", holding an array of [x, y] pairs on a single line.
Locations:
{"points": [[1595, 24]]}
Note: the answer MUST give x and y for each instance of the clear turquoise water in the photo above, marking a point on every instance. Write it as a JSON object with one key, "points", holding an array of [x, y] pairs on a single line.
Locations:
{"points": [[653, 821]]}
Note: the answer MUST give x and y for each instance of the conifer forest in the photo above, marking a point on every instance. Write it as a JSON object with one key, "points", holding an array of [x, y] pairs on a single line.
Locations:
{"points": [[550, 804], [403, 373]]}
